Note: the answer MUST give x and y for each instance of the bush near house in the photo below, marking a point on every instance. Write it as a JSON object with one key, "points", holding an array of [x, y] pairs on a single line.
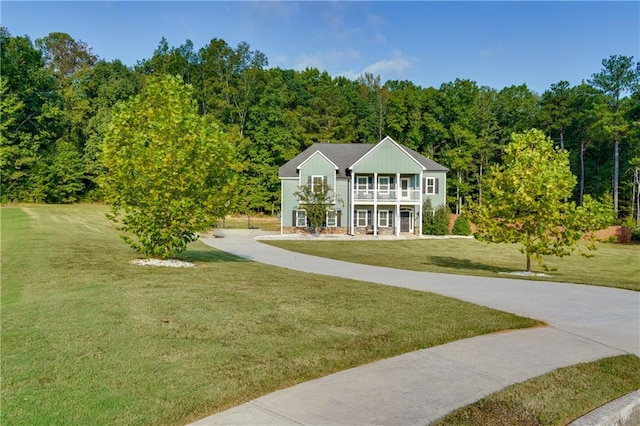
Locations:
{"points": [[435, 221], [461, 226]]}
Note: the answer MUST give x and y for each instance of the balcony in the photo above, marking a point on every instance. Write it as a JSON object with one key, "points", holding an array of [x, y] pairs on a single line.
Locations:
{"points": [[390, 195]]}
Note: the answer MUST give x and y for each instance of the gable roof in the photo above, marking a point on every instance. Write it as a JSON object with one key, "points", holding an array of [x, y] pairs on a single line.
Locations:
{"points": [[344, 155], [320, 154], [387, 139]]}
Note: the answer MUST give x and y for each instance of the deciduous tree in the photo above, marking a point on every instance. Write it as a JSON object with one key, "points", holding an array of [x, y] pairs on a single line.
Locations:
{"points": [[524, 201], [167, 168], [316, 200]]}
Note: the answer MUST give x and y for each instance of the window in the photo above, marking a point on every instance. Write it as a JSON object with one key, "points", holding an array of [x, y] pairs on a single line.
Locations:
{"points": [[301, 219], [362, 218], [384, 217], [430, 186], [362, 184], [331, 219], [383, 184], [316, 181]]}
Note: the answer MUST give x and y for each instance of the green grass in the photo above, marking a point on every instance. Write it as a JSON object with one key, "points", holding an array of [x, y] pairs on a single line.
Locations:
{"points": [[556, 398], [88, 338], [265, 223], [614, 265]]}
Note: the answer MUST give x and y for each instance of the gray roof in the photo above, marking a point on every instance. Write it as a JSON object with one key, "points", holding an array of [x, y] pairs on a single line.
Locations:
{"points": [[344, 155]]}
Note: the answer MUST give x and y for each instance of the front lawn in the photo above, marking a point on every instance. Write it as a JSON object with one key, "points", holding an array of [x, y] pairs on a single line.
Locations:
{"points": [[88, 338], [613, 265], [555, 398]]}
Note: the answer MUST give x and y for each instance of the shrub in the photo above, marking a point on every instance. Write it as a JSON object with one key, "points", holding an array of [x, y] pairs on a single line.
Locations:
{"points": [[435, 221], [461, 226]]}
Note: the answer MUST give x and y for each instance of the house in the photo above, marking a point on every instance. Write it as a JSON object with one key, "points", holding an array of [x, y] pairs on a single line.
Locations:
{"points": [[378, 189]]}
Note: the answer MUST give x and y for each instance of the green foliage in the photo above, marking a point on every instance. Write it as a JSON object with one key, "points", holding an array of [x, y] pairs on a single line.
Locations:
{"points": [[57, 90], [167, 168], [435, 221], [635, 234], [461, 226], [316, 199], [524, 201]]}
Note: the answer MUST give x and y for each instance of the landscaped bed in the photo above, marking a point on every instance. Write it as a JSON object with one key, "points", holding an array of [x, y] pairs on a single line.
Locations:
{"points": [[89, 338]]}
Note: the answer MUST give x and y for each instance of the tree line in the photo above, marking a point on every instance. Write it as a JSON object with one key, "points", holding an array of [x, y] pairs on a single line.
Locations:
{"points": [[58, 97]]}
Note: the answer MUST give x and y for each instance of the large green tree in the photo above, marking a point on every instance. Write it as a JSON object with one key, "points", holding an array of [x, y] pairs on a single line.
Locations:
{"points": [[167, 168], [524, 201], [616, 78]]}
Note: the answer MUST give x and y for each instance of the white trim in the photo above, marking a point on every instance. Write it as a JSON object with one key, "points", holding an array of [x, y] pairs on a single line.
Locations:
{"points": [[411, 218], [323, 156], [388, 220], [402, 190], [388, 184], [298, 218], [314, 177], [427, 185], [366, 183], [397, 145], [366, 218], [335, 218]]}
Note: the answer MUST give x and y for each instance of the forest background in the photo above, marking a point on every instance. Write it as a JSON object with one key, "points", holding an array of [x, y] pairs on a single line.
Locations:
{"points": [[56, 98]]}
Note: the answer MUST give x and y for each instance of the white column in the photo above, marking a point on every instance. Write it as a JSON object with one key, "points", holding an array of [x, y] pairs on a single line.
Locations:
{"points": [[351, 205], [396, 218], [375, 203], [421, 204]]}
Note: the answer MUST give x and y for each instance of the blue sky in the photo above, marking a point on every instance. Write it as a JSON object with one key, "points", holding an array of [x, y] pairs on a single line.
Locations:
{"points": [[493, 43]]}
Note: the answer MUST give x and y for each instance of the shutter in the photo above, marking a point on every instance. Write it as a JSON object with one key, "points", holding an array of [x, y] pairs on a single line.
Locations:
{"points": [[424, 185], [309, 180], [369, 217], [437, 184], [338, 218], [324, 179], [295, 218]]}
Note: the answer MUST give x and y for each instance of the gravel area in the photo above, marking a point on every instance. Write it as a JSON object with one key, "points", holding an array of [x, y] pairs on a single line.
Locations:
{"points": [[525, 274], [171, 263]]}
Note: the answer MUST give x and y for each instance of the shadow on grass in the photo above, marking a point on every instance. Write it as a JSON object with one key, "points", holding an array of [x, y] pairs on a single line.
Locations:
{"points": [[208, 255], [464, 264]]}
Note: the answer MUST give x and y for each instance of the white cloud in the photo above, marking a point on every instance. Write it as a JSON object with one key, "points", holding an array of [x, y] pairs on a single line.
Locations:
{"points": [[326, 60], [388, 69], [396, 66]]}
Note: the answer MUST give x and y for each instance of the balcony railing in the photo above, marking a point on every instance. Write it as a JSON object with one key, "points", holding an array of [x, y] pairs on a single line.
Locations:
{"points": [[411, 194]]}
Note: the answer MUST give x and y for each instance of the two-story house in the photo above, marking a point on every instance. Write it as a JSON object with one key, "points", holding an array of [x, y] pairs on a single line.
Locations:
{"points": [[378, 189]]}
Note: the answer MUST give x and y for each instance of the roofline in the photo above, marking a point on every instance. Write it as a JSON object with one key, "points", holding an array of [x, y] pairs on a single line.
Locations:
{"points": [[323, 156], [397, 145]]}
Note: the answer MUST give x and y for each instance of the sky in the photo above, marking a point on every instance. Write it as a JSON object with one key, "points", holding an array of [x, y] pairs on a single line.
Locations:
{"points": [[495, 44]]}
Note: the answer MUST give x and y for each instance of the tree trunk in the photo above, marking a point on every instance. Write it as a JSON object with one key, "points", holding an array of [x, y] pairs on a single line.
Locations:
{"points": [[528, 263], [616, 167]]}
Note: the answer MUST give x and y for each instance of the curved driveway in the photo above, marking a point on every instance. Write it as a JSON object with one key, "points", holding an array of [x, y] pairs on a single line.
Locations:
{"points": [[585, 323]]}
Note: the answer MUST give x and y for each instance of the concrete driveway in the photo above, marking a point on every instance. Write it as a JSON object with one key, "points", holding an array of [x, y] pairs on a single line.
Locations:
{"points": [[585, 323]]}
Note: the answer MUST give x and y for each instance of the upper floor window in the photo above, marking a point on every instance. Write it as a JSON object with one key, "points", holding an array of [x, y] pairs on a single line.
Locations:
{"points": [[383, 184], [362, 183], [430, 186], [317, 181]]}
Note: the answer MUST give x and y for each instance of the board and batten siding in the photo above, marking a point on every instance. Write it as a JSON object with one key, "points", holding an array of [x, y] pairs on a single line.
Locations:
{"points": [[387, 158], [289, 201], [439, 198], [318, 165]]}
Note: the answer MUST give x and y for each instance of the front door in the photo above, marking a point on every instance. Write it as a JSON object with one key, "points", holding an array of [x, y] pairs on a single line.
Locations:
{"points": [[405, 221]]}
